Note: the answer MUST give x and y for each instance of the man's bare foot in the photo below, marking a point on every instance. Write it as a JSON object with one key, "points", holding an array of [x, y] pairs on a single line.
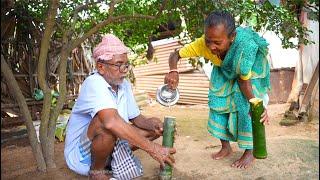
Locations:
{"points": [[245, 161], [224, 152], [99, 175]]}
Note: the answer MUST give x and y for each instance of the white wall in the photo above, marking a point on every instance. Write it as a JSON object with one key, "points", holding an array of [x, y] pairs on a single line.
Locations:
{"points": [[280, 57]]}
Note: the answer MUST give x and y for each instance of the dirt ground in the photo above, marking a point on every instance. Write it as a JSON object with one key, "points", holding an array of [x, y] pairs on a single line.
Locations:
{"points": [[293, 152]]}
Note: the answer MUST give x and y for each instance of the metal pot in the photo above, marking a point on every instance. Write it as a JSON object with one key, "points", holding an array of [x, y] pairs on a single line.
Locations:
{"points": [[166, 96]]}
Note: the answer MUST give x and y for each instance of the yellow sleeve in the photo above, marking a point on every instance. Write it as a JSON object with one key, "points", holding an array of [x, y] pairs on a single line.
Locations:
{"points": [[246, 77], [199, 48]]}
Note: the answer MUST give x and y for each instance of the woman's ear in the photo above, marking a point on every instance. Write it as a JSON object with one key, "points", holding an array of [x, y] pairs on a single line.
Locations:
{"points": [[233, 36]]}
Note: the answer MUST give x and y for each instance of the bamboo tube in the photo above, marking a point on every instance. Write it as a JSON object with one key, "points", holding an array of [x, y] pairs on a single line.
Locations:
{"points": [[258, 131], [167, 141]]}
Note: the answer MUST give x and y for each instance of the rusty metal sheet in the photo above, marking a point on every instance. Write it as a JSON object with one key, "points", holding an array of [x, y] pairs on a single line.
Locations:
{"points": [[281, 82]]}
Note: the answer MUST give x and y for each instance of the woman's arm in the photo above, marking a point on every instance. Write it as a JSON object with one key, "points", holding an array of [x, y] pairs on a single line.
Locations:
{"points": [[246, 89]]}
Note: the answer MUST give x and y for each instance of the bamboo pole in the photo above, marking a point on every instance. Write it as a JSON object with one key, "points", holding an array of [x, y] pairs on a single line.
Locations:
{"points": [[167, 141], [258, 129]]}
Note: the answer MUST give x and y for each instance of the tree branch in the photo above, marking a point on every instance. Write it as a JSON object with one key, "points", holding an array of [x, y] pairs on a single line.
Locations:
{"points": [[16, 92], [78, 9], [61, 99], [111, 6], [75, 15], [112, 19], [44, 48], [163, 5], [84, 7], [59, 27], [97, 27], [168, 30], [135, 16], [311, 6]]}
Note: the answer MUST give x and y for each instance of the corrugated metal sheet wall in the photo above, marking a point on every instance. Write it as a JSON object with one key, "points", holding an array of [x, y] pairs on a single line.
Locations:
{"points": [[193, 84]]}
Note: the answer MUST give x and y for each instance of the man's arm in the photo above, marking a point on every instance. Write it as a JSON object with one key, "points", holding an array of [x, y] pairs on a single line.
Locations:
{"points": [[150, 124], [112, 121]]}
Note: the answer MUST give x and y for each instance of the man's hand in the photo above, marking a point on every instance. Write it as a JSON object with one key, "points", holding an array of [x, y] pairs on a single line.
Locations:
{"points": [[157, 125], [172, 79], [264, 117], [162, 154]]}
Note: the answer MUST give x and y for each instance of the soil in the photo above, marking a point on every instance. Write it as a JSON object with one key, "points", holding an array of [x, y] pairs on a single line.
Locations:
{"points": [[293, 151]]}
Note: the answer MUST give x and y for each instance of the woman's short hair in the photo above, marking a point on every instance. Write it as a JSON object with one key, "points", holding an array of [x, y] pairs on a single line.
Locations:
{"points": [[216, 18]]}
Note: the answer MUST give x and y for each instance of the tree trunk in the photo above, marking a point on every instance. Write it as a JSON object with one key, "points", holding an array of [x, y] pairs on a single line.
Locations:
{"points": [[297, 80], [60, 102], [13, 85], [45, 114]]}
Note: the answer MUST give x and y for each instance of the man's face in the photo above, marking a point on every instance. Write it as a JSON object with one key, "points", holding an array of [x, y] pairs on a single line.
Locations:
{"points": [[217, 40], [111, 70]]}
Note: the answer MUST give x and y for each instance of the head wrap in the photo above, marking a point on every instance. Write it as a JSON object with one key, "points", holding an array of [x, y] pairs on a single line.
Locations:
{"points": [[109, 46]]}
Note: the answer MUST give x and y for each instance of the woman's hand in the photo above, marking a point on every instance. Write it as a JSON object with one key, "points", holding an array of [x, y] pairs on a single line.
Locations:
{"points": [[172, 79], [264, 117]]}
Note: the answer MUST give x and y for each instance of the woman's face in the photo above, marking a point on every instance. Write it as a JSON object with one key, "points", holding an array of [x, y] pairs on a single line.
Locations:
{"points": [[217, 40]]}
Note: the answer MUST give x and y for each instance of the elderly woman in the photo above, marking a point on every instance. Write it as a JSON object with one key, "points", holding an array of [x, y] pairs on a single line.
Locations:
{"points": [[106, 125], [240, 72]]}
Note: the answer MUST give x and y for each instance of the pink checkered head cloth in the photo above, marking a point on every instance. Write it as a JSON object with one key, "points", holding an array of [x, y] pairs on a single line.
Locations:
{"points": [[109, 46]]}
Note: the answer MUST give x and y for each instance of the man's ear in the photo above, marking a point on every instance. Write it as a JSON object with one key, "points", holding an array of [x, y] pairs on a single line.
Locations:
{"points": [[100, 68]]}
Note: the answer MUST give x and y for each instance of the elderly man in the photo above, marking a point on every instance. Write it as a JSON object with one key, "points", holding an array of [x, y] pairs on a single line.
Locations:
{"points": [[106, 125]]}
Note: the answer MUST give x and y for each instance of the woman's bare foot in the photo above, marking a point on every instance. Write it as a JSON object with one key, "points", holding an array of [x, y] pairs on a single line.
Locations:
{"points": [[245, 161], [224, 151]]}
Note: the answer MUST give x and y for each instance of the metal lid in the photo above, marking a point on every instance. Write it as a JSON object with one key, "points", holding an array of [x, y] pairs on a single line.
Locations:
{"points": [[166, 96]]}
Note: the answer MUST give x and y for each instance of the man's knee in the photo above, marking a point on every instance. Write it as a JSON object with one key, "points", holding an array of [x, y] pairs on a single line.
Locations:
{"points": [[96, 128], [103, 142], [99, 135]]}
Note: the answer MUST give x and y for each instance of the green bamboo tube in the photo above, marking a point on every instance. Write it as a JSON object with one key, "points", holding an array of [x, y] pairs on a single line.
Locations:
{"points": [[167, 141], [258, 130]]}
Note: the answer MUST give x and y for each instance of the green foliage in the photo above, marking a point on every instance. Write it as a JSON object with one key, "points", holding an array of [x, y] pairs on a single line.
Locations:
{"points": [[135, 32], [262, 16], [279, 20], [310, 6]]}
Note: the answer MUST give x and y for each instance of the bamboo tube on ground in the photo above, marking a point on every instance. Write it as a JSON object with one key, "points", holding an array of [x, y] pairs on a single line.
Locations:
{"points": [[167, 141], [258, 130]]}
